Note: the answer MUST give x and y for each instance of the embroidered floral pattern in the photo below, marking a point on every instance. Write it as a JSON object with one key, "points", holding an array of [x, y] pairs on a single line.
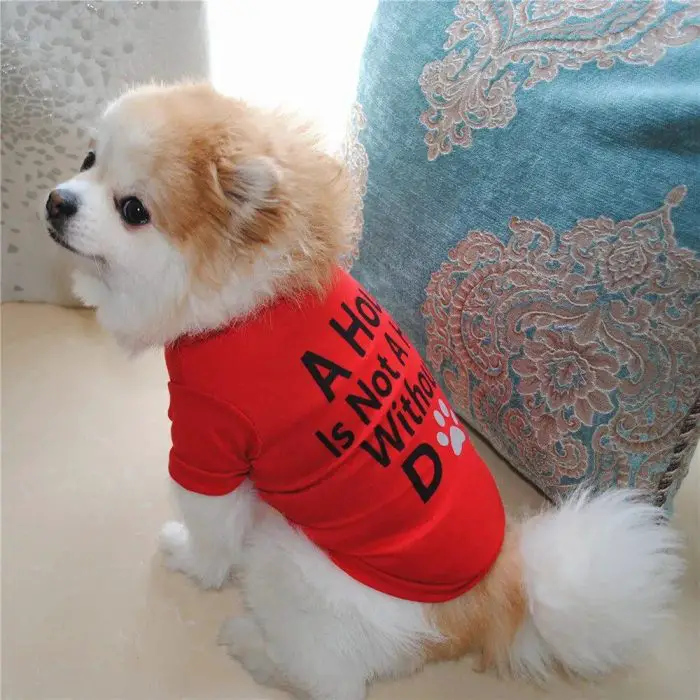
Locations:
{"points": [[568, 374], [576, 354], [493, 49], [355, 157]]}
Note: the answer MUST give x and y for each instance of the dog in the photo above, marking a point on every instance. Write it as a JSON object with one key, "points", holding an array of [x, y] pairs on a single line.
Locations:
{"points": [[315, 460]]}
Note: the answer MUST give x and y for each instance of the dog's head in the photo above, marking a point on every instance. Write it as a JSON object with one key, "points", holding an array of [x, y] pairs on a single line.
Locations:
{"points": [[191, 209]]}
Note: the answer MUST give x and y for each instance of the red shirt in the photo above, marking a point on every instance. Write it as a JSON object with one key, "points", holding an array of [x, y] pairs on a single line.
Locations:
{"points": [[330, 412]]}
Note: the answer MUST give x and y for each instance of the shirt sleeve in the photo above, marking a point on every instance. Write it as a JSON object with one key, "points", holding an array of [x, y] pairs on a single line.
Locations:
{"points": [[213, 443]]}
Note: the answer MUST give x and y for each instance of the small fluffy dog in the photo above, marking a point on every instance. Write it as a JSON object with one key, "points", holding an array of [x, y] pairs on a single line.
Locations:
{"points": [[314, 457]]}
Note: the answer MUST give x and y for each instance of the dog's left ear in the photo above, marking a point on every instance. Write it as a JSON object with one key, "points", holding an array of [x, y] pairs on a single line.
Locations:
{"points": [[250, 185]]}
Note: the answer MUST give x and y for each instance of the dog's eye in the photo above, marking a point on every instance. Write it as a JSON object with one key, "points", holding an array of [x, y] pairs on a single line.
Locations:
{"points": [[133, 212], [88, 162]]}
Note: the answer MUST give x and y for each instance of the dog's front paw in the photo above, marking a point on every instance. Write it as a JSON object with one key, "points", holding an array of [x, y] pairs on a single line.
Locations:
{"points": [[207, 567], [245, 643], [173, 537], [239, 633], [174, 544]]}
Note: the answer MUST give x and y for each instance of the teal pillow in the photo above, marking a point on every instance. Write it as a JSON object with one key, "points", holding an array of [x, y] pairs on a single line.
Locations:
{"points": [[531, 220]]}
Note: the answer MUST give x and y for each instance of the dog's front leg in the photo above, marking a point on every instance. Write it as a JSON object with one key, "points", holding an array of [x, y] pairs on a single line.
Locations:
{"points": [[208, 544]]}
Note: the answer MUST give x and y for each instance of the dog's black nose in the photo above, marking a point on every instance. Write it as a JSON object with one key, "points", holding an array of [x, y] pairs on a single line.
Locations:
{"points": [[60, 206]]}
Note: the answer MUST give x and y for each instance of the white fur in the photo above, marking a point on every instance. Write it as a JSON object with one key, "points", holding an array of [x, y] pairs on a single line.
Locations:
{"points": [[310, 626], [208, 545], [600, 574], [141, 310]]}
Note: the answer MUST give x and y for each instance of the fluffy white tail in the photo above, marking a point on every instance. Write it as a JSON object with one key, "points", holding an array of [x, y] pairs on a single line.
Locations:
{"points": [[600, 573]]}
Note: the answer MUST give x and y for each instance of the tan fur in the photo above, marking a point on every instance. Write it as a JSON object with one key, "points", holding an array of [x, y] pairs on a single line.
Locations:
{"points": [[485, 619], [227, 178]]}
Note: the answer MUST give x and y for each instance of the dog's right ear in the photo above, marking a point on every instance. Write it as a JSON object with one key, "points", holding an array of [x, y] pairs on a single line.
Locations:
{"points": [[249, 185], [250, 188]]}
